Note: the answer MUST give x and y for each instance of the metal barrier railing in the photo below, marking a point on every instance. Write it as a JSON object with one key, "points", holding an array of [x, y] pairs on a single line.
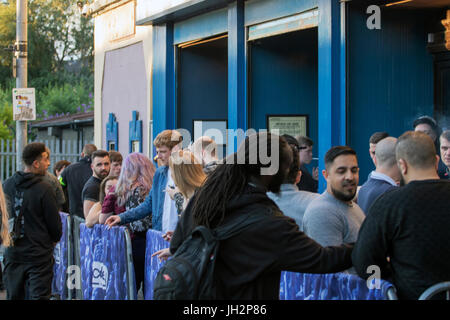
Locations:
{"points": [[71, 291], [130, 267], [77, 293], [69, 254]]}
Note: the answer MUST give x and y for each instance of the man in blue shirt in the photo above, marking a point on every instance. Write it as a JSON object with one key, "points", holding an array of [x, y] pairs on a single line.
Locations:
{"points": [[158, 202], [384, 178]]}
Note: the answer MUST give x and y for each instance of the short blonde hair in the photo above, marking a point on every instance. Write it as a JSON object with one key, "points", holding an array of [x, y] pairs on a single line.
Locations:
{"points": [[187, 171], [168, 138]]}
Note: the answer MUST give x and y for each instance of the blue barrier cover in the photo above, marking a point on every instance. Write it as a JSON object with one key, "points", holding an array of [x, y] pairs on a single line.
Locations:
{"points": [[155, 242], [60, 266], [330, 286], [103, 263]]}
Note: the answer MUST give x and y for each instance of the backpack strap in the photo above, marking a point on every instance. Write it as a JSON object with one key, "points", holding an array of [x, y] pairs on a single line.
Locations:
{"points": [[238, 224]]}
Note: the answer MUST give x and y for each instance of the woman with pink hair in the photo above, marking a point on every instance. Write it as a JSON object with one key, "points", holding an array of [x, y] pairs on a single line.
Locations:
{"points": [[135, 182]]}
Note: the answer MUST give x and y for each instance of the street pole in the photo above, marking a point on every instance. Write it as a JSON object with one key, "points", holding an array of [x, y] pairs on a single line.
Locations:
{"points": [[21, 54]]}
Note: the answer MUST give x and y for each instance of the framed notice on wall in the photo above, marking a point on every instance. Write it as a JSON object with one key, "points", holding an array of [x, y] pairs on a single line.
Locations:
{"points": [[294, 125]]}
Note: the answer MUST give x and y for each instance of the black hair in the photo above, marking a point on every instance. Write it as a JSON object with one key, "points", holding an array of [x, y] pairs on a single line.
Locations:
{"points": [[100, 154], [291, 140], [59, 165], [295, 166], [335, 152], [230, 178], [33, 151], [427, 120], [378, 136]]}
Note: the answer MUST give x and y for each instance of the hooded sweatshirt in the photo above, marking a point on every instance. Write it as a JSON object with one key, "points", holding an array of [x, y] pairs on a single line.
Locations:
{"points": [[249, 264], [42, 223]]}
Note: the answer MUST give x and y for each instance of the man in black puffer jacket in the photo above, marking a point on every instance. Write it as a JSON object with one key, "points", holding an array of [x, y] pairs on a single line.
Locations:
{"points": [[29, 262]]}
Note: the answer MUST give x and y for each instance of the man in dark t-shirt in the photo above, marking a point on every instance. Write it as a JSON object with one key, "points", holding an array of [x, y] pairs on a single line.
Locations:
{"points": [[100, 170], [409, 224]]}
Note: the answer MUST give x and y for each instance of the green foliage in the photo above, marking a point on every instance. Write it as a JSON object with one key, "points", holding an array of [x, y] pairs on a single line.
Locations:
{"points": [[60, 57], [65, 98], [7, 125]]}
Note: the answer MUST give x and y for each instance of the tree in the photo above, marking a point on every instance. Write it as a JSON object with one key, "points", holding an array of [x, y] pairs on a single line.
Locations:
{"points": [[56, 34], [7, 37], [7, 126], [60, 55]]}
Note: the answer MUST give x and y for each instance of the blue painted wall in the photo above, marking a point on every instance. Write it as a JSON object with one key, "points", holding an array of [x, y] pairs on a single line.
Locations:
{"points": [[202, 26], [257, 11], [202, 83], [283, 78], [390, 76]]}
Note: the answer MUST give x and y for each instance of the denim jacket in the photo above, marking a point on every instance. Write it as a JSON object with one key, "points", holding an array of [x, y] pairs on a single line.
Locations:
{"points": [[153, 203]]}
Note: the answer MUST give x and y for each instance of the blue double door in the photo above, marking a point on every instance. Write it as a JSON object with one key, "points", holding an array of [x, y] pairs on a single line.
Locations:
{"points": [[282, 79]]}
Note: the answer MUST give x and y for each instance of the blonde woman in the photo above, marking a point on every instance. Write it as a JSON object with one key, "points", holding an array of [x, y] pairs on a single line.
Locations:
{"points": [[188, 175]]}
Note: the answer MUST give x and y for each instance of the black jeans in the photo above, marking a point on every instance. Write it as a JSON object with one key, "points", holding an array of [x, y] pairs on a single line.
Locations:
{"points": [[28, 281], [138, 247]]}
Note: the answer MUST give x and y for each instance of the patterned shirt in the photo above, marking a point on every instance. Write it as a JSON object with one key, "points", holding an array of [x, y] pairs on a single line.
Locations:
{"points": [[133, 200]]}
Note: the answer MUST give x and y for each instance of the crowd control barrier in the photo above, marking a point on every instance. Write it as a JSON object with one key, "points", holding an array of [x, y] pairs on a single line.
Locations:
{"points": [[107, 271], [76, 293], [155, 242], [293, 285], [62, 255], [333, 286]]}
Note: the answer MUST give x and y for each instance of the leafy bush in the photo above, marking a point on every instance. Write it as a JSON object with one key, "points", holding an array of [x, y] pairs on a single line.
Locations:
{"points": [[63, 99], [7, 125], [53, 100]]}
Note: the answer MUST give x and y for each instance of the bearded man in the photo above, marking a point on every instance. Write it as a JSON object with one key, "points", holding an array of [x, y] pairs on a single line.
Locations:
{"points": [[334, 218]]}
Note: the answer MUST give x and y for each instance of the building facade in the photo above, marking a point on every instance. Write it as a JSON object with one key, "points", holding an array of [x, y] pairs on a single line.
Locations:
{"points": [[334, 70]]}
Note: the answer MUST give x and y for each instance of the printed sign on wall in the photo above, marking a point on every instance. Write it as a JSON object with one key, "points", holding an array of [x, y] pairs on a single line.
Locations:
{"points": [[24, 105]]}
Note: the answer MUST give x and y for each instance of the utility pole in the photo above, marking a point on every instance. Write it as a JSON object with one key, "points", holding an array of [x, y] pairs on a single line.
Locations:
{"points": [[21, 56]]}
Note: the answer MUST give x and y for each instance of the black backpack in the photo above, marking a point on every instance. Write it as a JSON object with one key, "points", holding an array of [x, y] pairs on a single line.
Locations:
{"points": [[189, 273]]}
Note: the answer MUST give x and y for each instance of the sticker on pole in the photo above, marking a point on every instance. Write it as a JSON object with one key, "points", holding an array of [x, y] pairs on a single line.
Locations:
{"points": [[24, 106]]}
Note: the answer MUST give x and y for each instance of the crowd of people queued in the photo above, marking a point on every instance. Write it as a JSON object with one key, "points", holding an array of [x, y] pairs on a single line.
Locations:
{"points": [[397, 219]]}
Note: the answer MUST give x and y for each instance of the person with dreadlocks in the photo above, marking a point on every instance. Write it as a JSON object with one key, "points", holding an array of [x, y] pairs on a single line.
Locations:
{"points": [[249, 264]]}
